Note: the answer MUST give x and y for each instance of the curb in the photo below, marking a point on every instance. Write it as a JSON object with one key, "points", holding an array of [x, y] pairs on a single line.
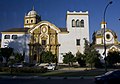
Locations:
{"points": [[39, 77]]}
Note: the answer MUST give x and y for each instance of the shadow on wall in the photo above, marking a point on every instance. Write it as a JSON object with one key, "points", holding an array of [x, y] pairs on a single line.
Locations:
{"points": [[20, 45]]}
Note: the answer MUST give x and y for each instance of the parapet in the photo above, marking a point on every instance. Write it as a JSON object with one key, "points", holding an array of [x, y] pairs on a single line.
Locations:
{"points": [[78, 13]]}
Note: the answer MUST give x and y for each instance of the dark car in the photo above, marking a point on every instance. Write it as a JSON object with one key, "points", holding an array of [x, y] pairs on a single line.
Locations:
{"points": [[110, 77]]}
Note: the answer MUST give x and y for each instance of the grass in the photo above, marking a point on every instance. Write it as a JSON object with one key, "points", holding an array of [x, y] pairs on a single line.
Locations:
{"points": [[58, 73], [75, 74]]}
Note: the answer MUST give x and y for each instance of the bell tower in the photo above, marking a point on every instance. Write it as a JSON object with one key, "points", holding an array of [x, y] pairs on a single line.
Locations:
{"points": [[31, 19]]}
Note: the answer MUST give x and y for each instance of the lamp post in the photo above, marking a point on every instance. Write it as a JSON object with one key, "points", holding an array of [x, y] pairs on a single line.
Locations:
{"points": [[104, 34], [12, 58]]}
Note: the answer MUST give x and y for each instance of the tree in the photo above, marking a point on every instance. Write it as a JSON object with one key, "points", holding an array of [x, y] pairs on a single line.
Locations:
{"points": [[93, 58], [48, 57], [91, 55], [15, 58], [18, 57], [87, 47], [69, 58], [6, 53], [81, 59], [113, 58], [1, 58]]}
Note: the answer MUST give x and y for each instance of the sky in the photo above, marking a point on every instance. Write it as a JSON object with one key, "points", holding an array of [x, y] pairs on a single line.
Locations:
{"points": [[12, 12]]}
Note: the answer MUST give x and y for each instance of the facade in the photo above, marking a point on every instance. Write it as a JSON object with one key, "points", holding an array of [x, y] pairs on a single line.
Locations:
{"points": [[39, 35], [112, 43], [72, 40]]}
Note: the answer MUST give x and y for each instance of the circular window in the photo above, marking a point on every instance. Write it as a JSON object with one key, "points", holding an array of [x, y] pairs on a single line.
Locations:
{"points": [[44, 29], [108, 36]]}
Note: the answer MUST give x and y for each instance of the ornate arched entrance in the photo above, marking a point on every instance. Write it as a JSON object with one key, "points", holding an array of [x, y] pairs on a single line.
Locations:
{"points": [[44, 37]]}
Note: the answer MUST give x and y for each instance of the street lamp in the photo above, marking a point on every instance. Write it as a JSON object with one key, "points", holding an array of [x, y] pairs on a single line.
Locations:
{"points": [[104, 34]]}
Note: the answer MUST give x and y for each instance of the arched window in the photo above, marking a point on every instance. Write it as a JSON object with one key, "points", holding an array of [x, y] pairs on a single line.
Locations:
{"points": [[82, 23], [27, 21], [73, 23], [77, 23], [31, 21]]}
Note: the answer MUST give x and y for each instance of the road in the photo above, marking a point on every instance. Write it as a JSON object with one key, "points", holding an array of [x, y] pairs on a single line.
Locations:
{"points": [[46, 81]]}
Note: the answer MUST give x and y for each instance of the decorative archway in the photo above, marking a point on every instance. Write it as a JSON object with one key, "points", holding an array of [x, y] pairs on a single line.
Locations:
{"points": [[44, 37]]}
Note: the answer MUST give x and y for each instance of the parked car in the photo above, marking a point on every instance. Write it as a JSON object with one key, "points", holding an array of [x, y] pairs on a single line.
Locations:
{"points": [[18, 65], [110, 77], [51, 66], [40, 65]]}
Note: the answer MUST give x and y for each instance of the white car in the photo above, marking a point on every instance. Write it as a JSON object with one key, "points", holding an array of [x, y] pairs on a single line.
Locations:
{"points": [[18, 65], [51, 67]]}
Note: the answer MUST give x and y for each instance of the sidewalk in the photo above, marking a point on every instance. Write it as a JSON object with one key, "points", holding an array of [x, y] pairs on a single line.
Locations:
{"points": [[82, 69], [76, 69]]}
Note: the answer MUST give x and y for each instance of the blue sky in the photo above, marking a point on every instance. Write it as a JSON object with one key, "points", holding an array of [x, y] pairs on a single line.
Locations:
{"points": [[12, 12]]}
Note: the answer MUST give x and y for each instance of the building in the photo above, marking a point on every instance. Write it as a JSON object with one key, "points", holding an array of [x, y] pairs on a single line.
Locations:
{"points": [[38, 35], [111, 41]]}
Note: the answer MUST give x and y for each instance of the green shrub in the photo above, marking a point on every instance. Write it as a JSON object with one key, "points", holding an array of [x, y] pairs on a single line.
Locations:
{"points": [[24, 70], [4, 69]]}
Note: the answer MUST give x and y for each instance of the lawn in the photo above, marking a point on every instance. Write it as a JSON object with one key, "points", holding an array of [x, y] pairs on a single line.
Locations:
{"points": [[59, 73], [75, 73]]}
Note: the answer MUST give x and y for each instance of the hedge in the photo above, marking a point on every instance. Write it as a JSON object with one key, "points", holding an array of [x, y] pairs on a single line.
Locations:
{"points": [[24, 70]]}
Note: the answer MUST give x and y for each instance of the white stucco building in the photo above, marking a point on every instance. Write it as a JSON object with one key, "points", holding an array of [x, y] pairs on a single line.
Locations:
{"points": [[38, 35], [77, 24]]}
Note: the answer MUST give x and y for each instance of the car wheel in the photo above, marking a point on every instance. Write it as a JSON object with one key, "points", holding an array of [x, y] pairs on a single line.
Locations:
{"points": [[53, 69]]}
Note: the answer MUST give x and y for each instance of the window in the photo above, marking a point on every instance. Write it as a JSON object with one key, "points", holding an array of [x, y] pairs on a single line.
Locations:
{"points": [[31, 21], [7, 37], [82, 23], [14, 36], [27, 21], [108, 36], [78, 42], [43, 42], [77, 23], [73, 23]]}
